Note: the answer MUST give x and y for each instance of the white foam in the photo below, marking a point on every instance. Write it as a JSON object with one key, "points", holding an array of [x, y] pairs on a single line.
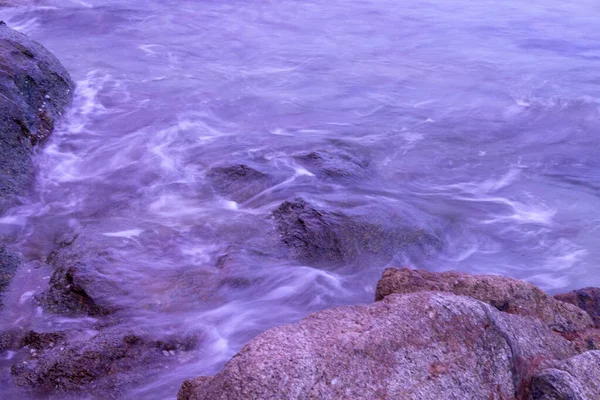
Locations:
{"points": [[230, 205], [9, 355], [125, 234], [26, 296], [13, 220], [299, 171]]}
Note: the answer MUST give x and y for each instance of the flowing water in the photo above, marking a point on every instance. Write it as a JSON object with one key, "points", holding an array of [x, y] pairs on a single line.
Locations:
{"points": [[480, 120]]}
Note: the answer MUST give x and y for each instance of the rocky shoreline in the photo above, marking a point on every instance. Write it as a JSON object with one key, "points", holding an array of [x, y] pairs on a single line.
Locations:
{"points": [[447, 335], [428, 336]]}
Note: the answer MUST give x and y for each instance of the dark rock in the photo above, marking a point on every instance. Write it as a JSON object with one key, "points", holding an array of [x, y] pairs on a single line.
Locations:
{"points": [[506, 294], [68, 293], [97, 362], [333, 237], [588, 299], [576, 378], [424, 345], [78, 285], [239, 182], [336, 163], [8, 267], [191, 386], [34, 90], [42, 341], [7, 341]]}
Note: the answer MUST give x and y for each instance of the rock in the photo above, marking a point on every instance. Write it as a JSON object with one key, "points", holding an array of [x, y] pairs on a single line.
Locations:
{"points": [[103, 363], [79, 285], [317, 236], [8, 267], [43, 341], [7, 340], [585, 340], [506, 294], [335, 163], [422, 346], [576, 378], [588, 299], [239, 182], [35, 89], [190, 386], [69, 293]]}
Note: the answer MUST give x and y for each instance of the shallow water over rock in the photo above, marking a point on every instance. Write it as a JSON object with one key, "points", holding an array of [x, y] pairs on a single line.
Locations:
{"points": [[470, 125]]}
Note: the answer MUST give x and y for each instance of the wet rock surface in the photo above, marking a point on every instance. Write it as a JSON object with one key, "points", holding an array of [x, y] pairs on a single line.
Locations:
{"points": [[506, 294], [316, 236], [35, 90], [334, 163], [79, 285], [102, 363], [240, 182], [9, 263]]}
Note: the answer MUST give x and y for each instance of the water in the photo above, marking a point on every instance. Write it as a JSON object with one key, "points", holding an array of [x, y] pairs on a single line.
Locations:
{"points": [[479, 121]]}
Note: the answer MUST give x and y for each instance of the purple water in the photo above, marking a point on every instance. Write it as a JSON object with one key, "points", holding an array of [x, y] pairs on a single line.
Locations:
{"points": [[479, 119]]}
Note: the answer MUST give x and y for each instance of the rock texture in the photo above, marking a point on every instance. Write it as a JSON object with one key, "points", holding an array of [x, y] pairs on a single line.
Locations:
{"points": [[8, 267], [506, 294], [334, 163], [588, 299], [78, 285], [417, 346], [100, 362], [318, 236], [576, 378], [239, 182], [35, 89]]}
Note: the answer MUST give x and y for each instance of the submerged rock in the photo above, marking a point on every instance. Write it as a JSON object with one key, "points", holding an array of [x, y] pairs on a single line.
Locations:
{"points": [[506, 294], [79, 285], [239, 182], [422, 345], [35, 89], [335, 163], [588, 299], [98, 362], [317, 236]]}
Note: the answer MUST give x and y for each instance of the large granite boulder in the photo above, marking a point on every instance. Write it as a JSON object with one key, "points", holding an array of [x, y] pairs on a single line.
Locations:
{"points": [[506, 294], [425, 345]]}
